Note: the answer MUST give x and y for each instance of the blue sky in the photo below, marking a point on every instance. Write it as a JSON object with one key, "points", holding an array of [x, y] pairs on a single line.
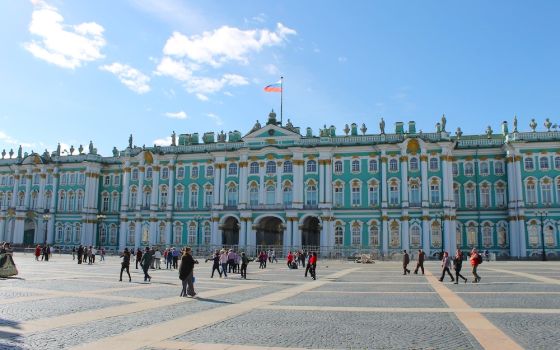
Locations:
{"points": [[74, 71]]}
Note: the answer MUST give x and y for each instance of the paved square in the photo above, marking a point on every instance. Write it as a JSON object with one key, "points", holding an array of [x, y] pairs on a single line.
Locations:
{"points": [[60, 305]]}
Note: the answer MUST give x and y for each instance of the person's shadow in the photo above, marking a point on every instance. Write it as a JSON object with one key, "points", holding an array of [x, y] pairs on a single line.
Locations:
{"points": [[13, 339], [208, 300]]}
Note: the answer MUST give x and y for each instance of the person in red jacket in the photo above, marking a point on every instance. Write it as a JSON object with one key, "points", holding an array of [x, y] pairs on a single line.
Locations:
{"points": [[476, 259], [37, 252], [290, 259], [313, 263]]}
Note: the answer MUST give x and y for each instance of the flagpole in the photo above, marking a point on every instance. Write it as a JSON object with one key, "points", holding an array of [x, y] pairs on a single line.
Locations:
{"points": [[281, 97]]}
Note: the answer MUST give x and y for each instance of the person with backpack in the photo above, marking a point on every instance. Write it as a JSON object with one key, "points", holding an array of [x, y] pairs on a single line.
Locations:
{"points": [[313, 262], [420, 262], [458, 265], [476, 259], [244, 262], [405, 262]]}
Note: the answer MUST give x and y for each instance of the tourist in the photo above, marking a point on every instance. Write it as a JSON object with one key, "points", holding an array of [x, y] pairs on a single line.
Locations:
{"points": [[269, 254], [458, 265], [186, 273], [231, 261], [420, 263], [405, 262], [168, 258], [153, 253], [476, 259], [145, 263], [175, 258], [445, 265], [102, 254], [37, 252], [138, 257], [313, 262], [51, 251], [45, 252], [302, 257], [265, 259], [224, 262], [157, 258], [7, 265], [80, 254], [289, 259], [216, 264], [74, 253], [308, 266], [244, 262], [125, 265], [273, 258], [236, 263], [487, 255]]}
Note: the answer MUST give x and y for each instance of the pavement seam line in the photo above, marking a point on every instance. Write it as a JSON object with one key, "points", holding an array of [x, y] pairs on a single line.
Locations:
{"points": [[154, 334], [528, 275], [485, 332]]}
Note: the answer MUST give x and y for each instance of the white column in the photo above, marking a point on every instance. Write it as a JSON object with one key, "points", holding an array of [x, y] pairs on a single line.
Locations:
{"points": [[324, 233], [321, 181], [138, 234], [171, 188], [125, 188], [2, 228], [41, 197], [452, 237], [261, 183], [123, 230], [298, 183], [385, 233], [328, 183], [279, 171], [140, 195], [424, 171], [27, 197], [405, 231], [426, 236], [15, 190], [168, 230], [296, 234], [223, 184], [154, 203], [50, 230], [384, 183], [243, 234], [404, 182], [288, 234], [216, 236], [251, 235], [243, 184], [217, 183], [54, 196]]}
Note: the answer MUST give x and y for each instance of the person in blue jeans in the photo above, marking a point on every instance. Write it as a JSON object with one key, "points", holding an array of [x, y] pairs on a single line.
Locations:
{"points": [[224, 261]]}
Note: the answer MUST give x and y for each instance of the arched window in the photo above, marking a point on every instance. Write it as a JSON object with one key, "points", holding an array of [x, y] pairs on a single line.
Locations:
{"points": [[543, 163], [232, 195], [209, 171], [498, 168], [102, 234], [338, 167], [485, 195], [454, 169], [62, 201], [500, 195], [394, 193], [270, 194], [414, 194], [311, 194], [21, 198], [434, 192], [470, 200], [487, 235], [149, 172], [232, 169], [529, 165], [105, 202], [530, 192], [355, 166], [434, 163], [502, 235], [254, 168], [436, 234], [469, 169], [208, 196], [413, 164], [393, 165], [311, 166], [192, 234], [115, 202], [338, 198], [133, 196], [373, 194], [113, 234], [533, 234], [288, 167], [179, 197], [253, 194], [484, 170], [356, 234], [356, 194], [134, 175], [34, 198], [59, 232], [207, 233], [79, 201], [48, 199], [395, 234], [270, 167], [374, 235], [372, 166], [68, 234], [131, 233], [415, 237], [177, 233], [145, 234], [546, 191], [194, 172], [181, 172], [193, 200], [161, 231], [549, 236], [287, 195], [78, 233], [338, 235], [472, 235], [165, 173]]}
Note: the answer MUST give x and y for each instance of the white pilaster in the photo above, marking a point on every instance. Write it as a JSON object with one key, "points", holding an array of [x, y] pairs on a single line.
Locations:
{"points": [[424, 171], [404, 182], [279, 171], [140, 194], [405, 231], [384, 183]]}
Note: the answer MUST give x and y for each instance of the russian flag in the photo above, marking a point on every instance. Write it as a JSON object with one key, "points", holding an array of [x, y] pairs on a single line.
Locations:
{"points": [[276, 87]]}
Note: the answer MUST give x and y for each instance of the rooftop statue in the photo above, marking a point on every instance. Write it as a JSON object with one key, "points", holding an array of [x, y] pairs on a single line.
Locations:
{"points": [[505, 130], [489, 131], [3, 153], [173, 139], [515, 124], [90, 147], [459, 132], [19, 152], [58, 150], [443, 123], [81, 149], [115, 152], [346, 129], [130, 141], [382, 126], [533, 125], [547, 124]]}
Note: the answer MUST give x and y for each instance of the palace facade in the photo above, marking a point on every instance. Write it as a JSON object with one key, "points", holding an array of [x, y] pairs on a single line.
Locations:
{"points": [[278, 186]]}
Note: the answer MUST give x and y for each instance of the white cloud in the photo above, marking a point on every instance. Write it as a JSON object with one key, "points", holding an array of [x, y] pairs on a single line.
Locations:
{"points": [[131, 77], [177, 115], [173, 68], [227, 93], [224, 44], [202, 97], [67, 46], [271, 69], [205, 85], [163, 142], [11, 141], [215, 118]]}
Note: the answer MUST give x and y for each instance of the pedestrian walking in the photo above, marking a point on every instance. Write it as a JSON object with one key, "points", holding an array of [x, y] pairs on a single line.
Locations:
{"points": [[420, 262], [244, 262], [145, 264], [308, 266], [216, 264], [125, 264], [138, 258], [273, 259], [487, 255], [175, 258], [224, 262], [73, 253], [45, 252], [445, 265], [289, 259], [157, 258], [313, 261], [80, 254], [476, 259], [405, 262], [186, 273], [458, 265], [168, 258], [231, 261], [37, 252], [102, 254]]}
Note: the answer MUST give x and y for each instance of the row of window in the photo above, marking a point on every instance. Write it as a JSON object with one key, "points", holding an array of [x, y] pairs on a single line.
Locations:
{"points": [[176, 234], [483, 168], [484, 194], [543, 162], [546, 193]]}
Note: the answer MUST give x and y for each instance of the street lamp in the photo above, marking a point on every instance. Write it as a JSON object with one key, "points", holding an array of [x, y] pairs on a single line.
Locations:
{"points": [[46, 218], [100, 218], [542, 214]]}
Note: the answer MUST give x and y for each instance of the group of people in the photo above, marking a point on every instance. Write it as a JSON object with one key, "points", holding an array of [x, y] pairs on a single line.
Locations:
{"points": [[307, 260], [7, 265], [475, 259], [87, 254], [226, 261], [45, 252]]}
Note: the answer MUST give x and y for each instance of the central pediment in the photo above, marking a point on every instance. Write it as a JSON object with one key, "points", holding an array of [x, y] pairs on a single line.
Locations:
{"points": [[271, 131]]}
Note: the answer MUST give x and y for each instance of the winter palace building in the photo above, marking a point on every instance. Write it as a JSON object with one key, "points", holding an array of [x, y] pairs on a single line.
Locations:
{"points": [[282, 187]]}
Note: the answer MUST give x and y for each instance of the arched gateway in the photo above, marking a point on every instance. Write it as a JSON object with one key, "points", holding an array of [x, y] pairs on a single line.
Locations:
{"points": [[311, 233], [270, 232], [230, 232]]}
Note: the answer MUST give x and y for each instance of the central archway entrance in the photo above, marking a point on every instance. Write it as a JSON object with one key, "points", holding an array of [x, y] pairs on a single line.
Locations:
{"points": [[230, 232], [311, 233], [29, 232], [270, 232]]}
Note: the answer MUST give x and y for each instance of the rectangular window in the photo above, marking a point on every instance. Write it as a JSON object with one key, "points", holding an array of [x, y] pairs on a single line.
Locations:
{"points": [[107, 181], [485, 197], [179, 199], [373, 196], [116, 180], [498, 167], [500, 197], [434, 194], [194, 199], [338, 197], [456, 197], [208, 199], [356, 196], [546, 194], [470, 197], [394, 194]]}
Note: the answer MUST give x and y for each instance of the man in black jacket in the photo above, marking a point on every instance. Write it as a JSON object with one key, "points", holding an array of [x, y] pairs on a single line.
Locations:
{"points": [[420, 263], [186, 273]]}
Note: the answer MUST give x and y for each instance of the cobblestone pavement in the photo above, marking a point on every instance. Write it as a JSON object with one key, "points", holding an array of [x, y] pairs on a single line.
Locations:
{"points": [[60, 305]]}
